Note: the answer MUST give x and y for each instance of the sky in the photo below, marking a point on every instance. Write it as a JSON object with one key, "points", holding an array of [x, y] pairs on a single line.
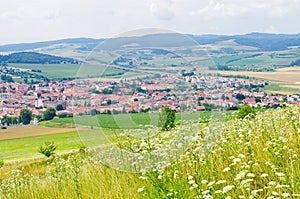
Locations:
{"points": [[41, 20]]}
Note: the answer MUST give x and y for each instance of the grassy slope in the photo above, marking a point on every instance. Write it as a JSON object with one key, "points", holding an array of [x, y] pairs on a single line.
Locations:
{"points": [[22, 148], [251, 158], [14, 149]]}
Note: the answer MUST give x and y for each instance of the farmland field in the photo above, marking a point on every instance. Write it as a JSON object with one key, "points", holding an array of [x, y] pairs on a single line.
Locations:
{"points": [[59, 71], [30, 131], [285, 80]]}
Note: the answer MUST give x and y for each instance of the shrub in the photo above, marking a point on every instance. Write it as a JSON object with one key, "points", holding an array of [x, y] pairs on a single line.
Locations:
{"points": [[246, 110], [47, 149], [166, 119], [49, 114]]}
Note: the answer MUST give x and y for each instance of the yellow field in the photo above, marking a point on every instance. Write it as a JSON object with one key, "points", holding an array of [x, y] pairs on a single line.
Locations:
{"points": [[290, 75], [30, 131]]}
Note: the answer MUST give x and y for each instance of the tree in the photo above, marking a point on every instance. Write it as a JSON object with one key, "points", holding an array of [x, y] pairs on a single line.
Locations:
{"points": [[246, 110], [25, 116], [59, 107], [166, 119], [240, 96], [49, 114]]}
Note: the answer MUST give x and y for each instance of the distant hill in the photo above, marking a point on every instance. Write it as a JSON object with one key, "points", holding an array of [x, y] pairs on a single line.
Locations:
{"points": [[262, 41], [35, 58], [87, 42]]}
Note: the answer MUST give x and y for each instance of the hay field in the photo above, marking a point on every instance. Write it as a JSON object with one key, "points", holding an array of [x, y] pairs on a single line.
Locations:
{"points": [[31, 131]]}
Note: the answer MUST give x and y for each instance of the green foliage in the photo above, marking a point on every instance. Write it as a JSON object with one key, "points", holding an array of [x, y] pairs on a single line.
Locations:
{"points": [[240, 96], [1, 163], [25, 116], [47, 149], [245, 111], [166, 119], [8, 120], [49, 114], [35, 58], [59, 107], [6, 78]]}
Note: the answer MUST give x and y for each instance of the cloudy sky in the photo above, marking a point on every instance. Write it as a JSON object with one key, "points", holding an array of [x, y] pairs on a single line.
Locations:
{"points": [[37, 20]]}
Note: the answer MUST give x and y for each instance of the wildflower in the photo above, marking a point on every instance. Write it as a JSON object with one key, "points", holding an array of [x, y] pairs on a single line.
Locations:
{"points": [[241, 156], [159, 177], [226, 169], [218, 191], [191, 181], [228, 197], [285, 195], [143, 177], [236, 160], [228, 188], [281, 186], [280, 174], [211, 183], [251, 175], [190, 177], [254, 192], [204, 181], [240, 175], [271, 183], [140, 189], [208, 197], [275, 193], [255, 164], [193, 186], [221, 182], [264, 175]]}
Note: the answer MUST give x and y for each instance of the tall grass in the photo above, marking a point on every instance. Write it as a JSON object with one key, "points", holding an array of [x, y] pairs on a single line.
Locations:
{"points": [[250, 158]]}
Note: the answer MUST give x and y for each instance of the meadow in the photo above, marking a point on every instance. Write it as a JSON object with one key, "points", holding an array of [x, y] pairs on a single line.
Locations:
{"points": [[243, 158]]}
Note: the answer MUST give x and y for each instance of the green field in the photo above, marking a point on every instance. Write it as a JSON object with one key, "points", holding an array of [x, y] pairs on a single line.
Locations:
{"points": [[59, 71], [121, 121], [27, 147], [22, 148], [91, 134]]}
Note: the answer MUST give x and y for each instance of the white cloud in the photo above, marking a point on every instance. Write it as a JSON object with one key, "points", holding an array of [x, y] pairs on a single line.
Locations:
{"points": [[34, 20], [162, 9]]}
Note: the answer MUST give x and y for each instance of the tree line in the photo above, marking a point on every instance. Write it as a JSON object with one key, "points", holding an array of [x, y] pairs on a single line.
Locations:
{"points": [[26, 116]]}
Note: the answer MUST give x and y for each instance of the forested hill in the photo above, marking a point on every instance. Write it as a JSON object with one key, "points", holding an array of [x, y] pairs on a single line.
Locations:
{"points": [[88, 42], [35, 58], [261, 41]]}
